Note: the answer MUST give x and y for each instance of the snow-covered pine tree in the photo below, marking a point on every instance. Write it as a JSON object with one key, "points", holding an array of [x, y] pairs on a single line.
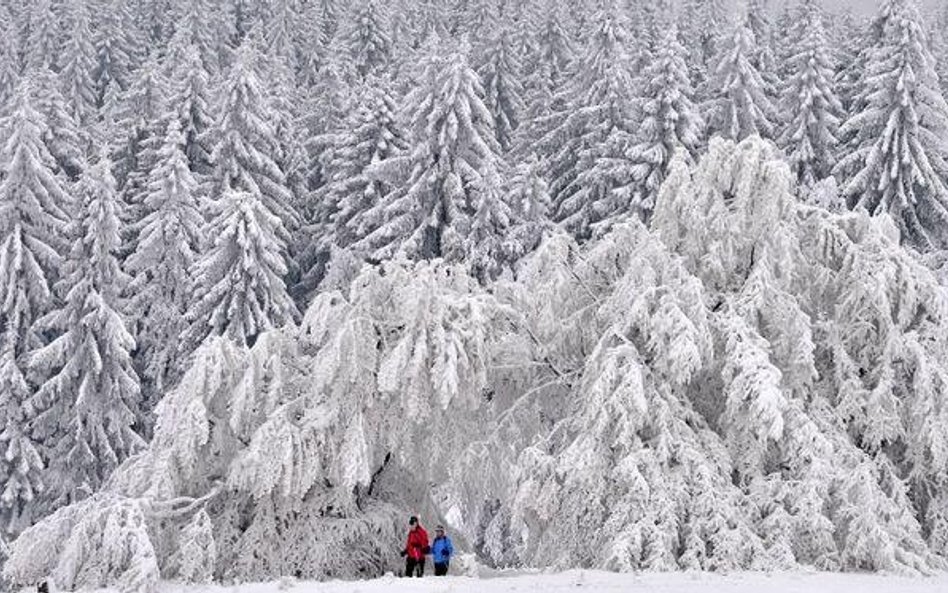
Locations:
{"points": [[246, 144], [897, 161], [33, 218], [809, 101], [239, 287], [77, 62], [193, 26], [369, 137], [190, 98], [115, 47], [589, 133], [452, 160], [89, 401], [738, 103], [66, 140], [9, 61], [281, 32], [369, 39], [161, 264], [703, 24], [501, 74], [42, 38], [671, 120]]}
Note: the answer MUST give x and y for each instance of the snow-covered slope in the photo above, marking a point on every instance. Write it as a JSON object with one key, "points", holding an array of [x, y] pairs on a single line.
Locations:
{"points": [[602, 582]]}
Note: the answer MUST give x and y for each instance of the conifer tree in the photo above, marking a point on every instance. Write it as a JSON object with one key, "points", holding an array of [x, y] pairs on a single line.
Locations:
{"points": [[114, 46], [190, 98], [810, 102], [453, 151], [503, 92], [239, 289], [42, 40], [32, 235], [671, 121], [164, 256], [738, 102], [591, 131], [897, 161], [246, 145], [89, 401], [78, 62], [64, 137], [368, 38]]}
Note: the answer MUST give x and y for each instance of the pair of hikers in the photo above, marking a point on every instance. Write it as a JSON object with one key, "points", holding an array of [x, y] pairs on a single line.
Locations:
{"points": [[416, 548]]}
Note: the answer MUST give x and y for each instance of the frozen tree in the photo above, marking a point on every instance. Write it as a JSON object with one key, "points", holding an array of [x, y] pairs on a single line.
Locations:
{"points": [[163, 259], [78, 62], [42, 38], [590, 132], [738, 103], [33, 206], [89, 401], [897, 162], [239, 279], [671, 120], [246, 143], [704, 23], [9, 60], [809, 99], [369, 39], [500, 74], [63, 136], [190, 98], [115, 47], [370, 136], [452, 165]]}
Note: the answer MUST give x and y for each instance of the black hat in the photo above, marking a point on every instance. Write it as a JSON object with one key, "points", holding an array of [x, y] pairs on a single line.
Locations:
{"points": [[412, 520]]}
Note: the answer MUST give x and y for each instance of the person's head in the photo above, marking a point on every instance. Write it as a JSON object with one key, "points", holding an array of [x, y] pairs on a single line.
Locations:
{"points": [[413, 522], [439, 530]]}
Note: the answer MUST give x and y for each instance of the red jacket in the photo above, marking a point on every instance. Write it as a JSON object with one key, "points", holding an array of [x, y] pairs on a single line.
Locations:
{"points": [[417, 543]]}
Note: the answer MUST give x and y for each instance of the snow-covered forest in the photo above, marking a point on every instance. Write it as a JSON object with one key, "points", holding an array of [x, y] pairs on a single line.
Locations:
{"points": [[615, 284]]}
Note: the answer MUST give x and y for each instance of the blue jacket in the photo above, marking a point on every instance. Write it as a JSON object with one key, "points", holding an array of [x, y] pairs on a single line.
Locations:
{"points": [[441, 549]]}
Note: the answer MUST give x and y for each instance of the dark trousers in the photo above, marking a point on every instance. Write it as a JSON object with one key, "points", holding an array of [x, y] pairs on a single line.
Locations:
{"points": [[441, 569], [414, 568]]}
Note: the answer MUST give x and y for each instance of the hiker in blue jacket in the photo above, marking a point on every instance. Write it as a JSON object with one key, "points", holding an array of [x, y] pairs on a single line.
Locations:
{"points": [[441, 551]]}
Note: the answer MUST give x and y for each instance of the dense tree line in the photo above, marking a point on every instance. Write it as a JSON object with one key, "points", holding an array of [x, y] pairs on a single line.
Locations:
{"points": [[690, 248]]}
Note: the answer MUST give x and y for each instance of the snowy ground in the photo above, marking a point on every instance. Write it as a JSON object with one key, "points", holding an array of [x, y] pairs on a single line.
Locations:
{"points": [[608, 583]]}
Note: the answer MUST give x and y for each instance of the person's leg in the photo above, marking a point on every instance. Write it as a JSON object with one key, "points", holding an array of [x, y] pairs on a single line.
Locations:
{"points": [[421, 568], [441, 569], [409, 566]]}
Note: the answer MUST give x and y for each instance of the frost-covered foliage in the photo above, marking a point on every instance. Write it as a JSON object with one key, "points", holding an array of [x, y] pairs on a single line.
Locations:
{"points": [[486, 261], [899, 155]]}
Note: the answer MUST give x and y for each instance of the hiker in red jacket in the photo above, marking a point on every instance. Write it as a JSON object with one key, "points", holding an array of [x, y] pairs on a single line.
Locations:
{"points": [[415, 549]]}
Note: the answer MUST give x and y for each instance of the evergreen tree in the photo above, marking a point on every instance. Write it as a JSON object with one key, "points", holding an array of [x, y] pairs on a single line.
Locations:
{"points": [[164, 256], [591, 131], [89, 401], [898, 160], [64, 137], [190, 98], [78, 62], [239, 291], [368, 38], [32, 234], [500, 74], [704, 23], [246, 143], [42, 40], [450, 163], [671, 120], [114, 46], [9, 61], [738, 105], [810, 102]]}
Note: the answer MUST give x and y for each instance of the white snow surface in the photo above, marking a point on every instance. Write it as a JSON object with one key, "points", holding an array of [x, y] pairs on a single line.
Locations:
{"points": [[604, 582]]}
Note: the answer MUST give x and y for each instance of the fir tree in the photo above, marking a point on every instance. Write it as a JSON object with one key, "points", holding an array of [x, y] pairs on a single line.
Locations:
{"points": [[32, 234], [190, 98], [739, 105], [239, 290], [453, 152], [897, 160], [78, 62], [42, 40], [246, 144], [164, 256], [500, 74], [89, 401], [671, 120], [368, 38], [810, 135]]}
